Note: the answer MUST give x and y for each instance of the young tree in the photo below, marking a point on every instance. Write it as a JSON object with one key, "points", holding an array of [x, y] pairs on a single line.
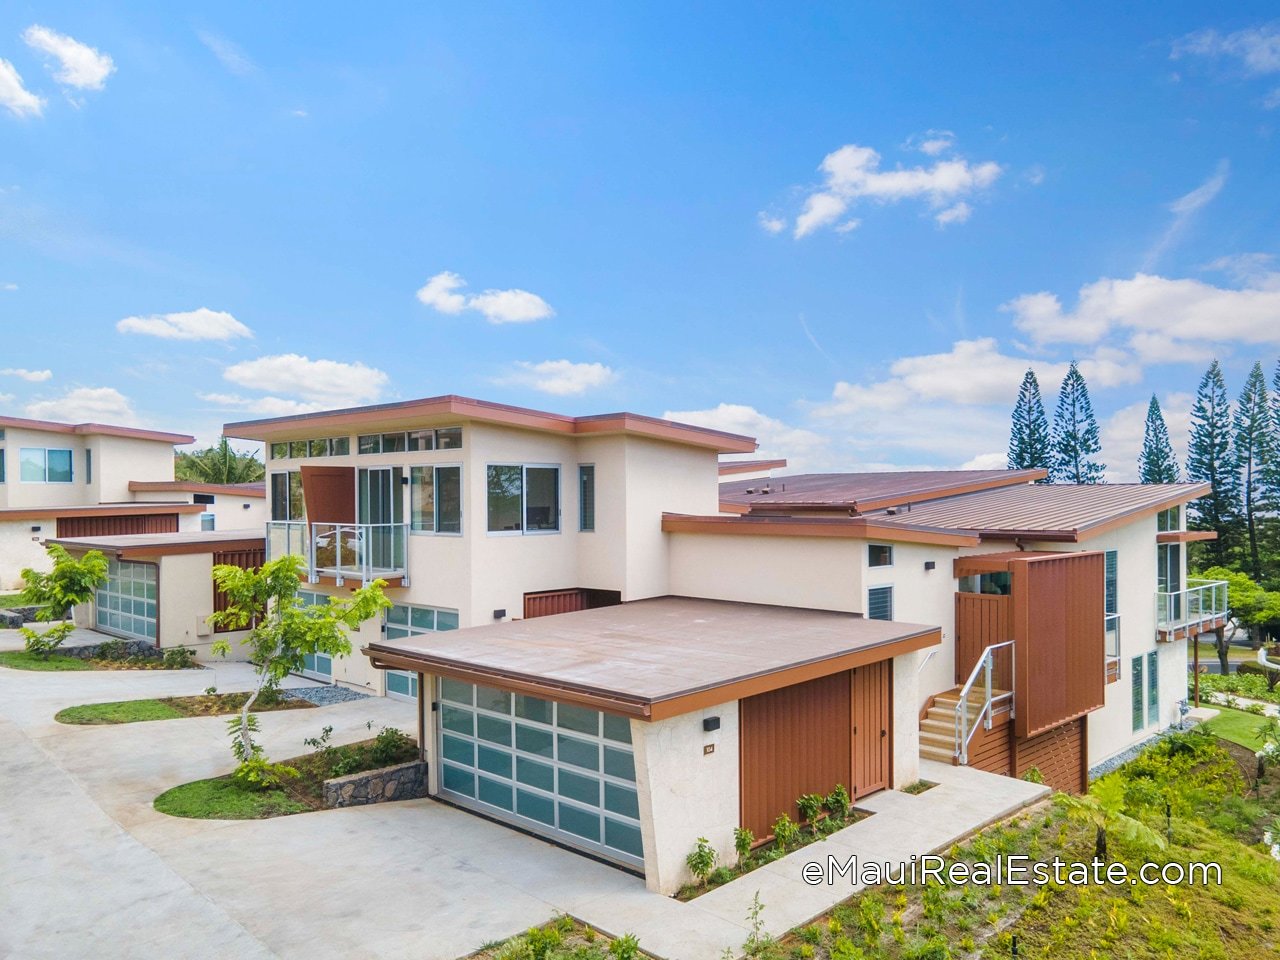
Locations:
{"points": [[1104, 807], [1029, 431], [281, 632], [1075, 433], [57, 592], [1156, 463], [218, 464], [1211, 459], [1256, 452]]}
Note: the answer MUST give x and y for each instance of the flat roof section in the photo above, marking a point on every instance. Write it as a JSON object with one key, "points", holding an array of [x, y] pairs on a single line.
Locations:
{"points": [[130, 509], [862, 492], [126, 545], [657, 658], [97, 429], [258, 489]]}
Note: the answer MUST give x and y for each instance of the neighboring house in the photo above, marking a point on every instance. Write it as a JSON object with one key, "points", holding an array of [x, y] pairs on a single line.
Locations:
{"points": [[227, 506], [68, 480], [723, 647]]}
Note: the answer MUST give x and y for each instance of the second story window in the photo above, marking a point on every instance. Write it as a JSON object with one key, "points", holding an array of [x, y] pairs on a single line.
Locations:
{"points": [[286, 496], [879, 555], [39, 465], [586, 497], [523, 498], [880, 603], [1167, 520], [435, 499]]}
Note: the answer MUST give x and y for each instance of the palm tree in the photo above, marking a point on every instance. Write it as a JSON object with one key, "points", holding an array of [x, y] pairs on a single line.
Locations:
{"points": [[219, 464], [1104, 807]]}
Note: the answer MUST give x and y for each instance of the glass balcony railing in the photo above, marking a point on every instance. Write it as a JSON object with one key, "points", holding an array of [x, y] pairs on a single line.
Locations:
{"points": [[344, 551], [1200, 605]]}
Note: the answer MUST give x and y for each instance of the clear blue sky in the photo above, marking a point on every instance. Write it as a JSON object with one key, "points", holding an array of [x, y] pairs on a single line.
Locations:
{"points": [[846, 229]]}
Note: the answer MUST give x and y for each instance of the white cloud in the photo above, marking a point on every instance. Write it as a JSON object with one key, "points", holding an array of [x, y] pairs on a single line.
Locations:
{"points": [[1246, 268], [299, 112], [932, 142], [561, 377], [770, 223], [8, 287], [1256, 48], [86, 405], [262, 406], [79, 65], [957, 213], [199, 324], [1183, 209], [803, 448], [6, 398], [996, 460], [229, 54], [1186, 314], [31, 376], [16, 98], [328, 383], [853, 172], [1122, 434], [1035, 175], [496, 306]]}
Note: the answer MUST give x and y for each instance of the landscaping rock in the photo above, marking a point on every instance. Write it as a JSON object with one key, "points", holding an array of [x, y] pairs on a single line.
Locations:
{"points": [[11, 619], [91, 649], [405, 781], [323, 696]]}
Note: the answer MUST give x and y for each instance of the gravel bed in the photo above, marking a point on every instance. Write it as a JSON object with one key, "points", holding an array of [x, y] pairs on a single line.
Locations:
{"points": [[323, 696]]}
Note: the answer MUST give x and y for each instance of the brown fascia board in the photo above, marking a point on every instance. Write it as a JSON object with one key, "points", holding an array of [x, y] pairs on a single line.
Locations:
{"points": [[857, 528], [193, 486], [96, 429], [729, 467], [99, 510], [158, 549], [300, 425], [1186, 536]]}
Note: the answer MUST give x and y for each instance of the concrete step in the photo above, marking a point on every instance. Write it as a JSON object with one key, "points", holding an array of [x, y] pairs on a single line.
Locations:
{"points": [[934, 753], [943, 727]]}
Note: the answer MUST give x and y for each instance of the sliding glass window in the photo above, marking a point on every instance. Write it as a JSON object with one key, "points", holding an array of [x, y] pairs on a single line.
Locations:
{"points": [[435, 499], [523, 499], [39, 465]]}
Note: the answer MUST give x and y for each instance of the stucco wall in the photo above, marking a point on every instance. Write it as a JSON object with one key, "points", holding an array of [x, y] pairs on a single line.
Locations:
{"points": [[16, 493], [20, 547], [906, 718], [684, 792], [117, 460]]}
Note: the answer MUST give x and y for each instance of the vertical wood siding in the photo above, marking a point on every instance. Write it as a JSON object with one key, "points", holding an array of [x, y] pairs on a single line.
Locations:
{"points": [[114, 526], [245, 560], [872, 696], [550, 602], [981, 620]]}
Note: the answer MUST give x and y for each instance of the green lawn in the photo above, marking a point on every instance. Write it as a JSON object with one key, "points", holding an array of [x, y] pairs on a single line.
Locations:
{"points": [[1237, 726], [8, 600], [223, 799], [123, 711], [1209, 653], [22, 660]]}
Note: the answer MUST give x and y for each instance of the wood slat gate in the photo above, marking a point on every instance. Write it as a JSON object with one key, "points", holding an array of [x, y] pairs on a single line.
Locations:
{"points": [[871, 747]]}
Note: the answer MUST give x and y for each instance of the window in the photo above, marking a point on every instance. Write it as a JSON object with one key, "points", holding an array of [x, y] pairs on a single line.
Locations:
{"points": [[206, 498], [524, 498], [286, 496], [38, 465], [394, 443], [406, 621], [422, 439], [369, 443], [1109, 582], [297, 448], [279, 451], [88, 466], [317, 448], [1135, 693], [1170, 519], [879, 555], [206, 522], [1153, 687], [586, 497], [880, 603], [998, 583], [444, 438], [435, 499], [1, 455], [339, 446]]}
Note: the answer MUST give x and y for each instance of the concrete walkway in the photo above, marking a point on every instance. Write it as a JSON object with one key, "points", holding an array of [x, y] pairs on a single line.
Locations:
{"points": [[88, 868]]}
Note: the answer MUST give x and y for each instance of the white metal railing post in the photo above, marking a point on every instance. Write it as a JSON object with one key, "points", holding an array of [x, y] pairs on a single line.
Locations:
{"points": [[989, 658]]}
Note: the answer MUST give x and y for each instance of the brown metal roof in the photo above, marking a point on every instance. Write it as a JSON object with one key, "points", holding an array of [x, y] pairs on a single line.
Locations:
{"points": [[658, 657], [1046, 511], [862, 492]]}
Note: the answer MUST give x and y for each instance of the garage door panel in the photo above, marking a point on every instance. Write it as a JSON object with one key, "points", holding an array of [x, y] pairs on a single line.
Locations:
{"points": [[127, 603]]}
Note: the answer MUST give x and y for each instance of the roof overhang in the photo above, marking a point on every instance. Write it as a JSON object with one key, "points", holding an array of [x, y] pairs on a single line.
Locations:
{"points": [[258, 490], [856, 528], [659, 658], [730, 467], [407, 414], [1186, 536], [143, 545], [96, 429], [99, 510]]}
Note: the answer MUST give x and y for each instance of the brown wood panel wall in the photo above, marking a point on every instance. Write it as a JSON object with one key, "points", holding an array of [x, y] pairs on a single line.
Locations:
{"points": [[992, 750], [793, 741], [871, 747], [981, 620], [1058, 627], [114, 526], [1059, 755], [550, 602], [330, 494], [246, 560]]}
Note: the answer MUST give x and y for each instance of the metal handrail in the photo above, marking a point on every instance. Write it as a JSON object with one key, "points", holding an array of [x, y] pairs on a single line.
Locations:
{"points": [[1202, 601], [984, 666]]}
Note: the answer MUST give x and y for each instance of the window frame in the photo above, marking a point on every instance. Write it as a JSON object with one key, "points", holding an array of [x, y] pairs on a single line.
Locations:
{"points": [[45, 451], [435, 530], [870, 591], [880, 566], [524, 530], [1137, 692], [582, 499]]}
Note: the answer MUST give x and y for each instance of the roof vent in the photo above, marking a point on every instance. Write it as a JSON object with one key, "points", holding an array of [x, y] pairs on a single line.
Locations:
{"points": [[751, 490], [892, 511]]}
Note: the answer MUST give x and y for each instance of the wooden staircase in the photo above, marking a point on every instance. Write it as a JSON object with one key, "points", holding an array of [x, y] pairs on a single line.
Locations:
{"points": [[938, 724]]}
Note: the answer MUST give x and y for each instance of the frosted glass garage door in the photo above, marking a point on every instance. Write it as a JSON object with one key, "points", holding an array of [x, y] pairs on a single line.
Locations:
{"points": [[126, 604], [553, 768]]}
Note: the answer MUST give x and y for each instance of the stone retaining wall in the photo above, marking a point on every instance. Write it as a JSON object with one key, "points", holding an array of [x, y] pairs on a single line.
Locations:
{"points": [[87, 651], [405, 781], [14, 617]]}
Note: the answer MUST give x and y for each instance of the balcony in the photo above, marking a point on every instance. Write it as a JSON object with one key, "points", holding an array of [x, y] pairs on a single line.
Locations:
{"points": [[344, 551], [1201, 607]]}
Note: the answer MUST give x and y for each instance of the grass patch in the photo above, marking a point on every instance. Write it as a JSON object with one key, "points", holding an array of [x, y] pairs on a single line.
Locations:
{"points": [[919, 787], [1216, 819], [564, 938], [222, 798], [1237, 726], [172, 708], [22, 660], [10, 600], [1235, 653]]}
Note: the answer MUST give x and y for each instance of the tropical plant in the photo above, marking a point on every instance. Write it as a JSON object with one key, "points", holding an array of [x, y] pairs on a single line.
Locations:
{"points": [[1029, 439], [810, 806], [839, 802], [1256, 449], [71, 581], [281, 629], [743, 841], [1156, 462], [626, 947], [220, 463], [785, 832], [702, 860], [1075, 440], [1211, 460], [1104, 808]]}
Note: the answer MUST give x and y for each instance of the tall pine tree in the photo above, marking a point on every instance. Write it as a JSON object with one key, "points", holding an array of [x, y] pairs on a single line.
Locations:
{"points": [[1211, 460], [1075, 433], [1029, 431], [1156, 463], [1256, 450]]}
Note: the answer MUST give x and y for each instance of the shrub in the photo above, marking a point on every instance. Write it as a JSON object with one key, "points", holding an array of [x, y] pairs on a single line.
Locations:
{"points": [[721, 875], [542, 940], [113, 650], [390, 745], [785, 832], [179, 658], [810, 805], [702, 860], [838, 802], [1033, 775], [44, 644], [743, 840], [626, 947]]}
